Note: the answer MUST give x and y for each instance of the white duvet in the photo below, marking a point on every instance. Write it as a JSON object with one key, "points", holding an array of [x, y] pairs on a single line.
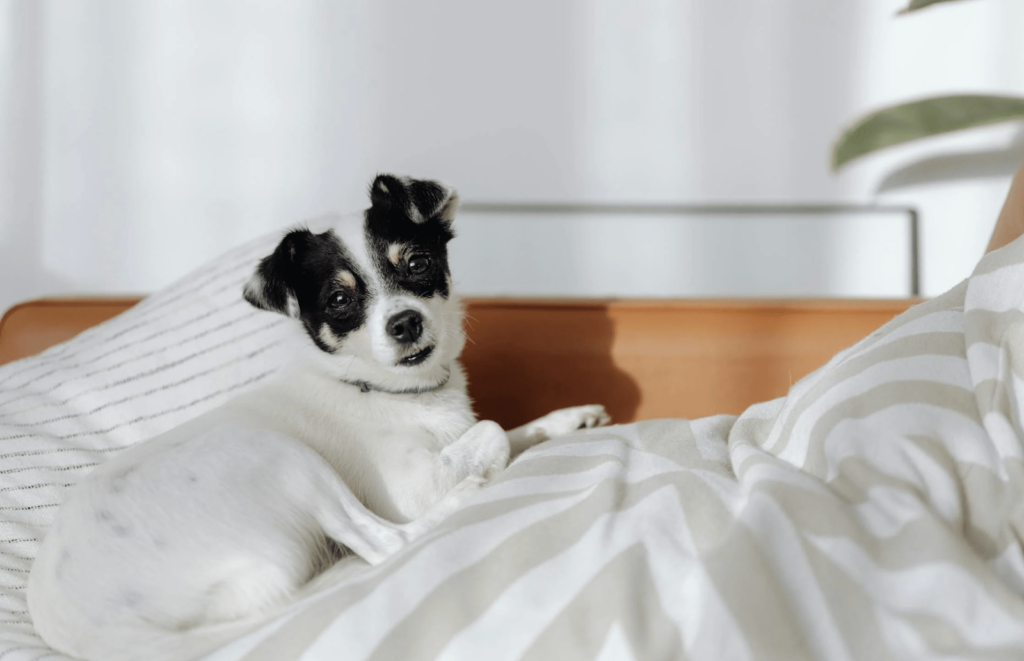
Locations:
{"points": [[873, 513]]}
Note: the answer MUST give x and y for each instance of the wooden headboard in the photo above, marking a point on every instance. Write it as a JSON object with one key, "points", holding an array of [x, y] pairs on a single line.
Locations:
{"points": [[641, 359]]}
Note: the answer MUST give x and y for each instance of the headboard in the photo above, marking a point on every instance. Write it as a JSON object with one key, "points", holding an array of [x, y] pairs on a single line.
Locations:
{"points": [[640, 358]]}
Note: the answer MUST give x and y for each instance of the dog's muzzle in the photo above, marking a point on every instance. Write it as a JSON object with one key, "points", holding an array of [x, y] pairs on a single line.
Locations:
{"points": [[405, 327]]}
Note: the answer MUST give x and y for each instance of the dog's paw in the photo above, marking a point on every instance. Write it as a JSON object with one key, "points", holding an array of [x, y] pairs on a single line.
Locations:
{"points": [[591, 415], [483, 450], [566, 421]]}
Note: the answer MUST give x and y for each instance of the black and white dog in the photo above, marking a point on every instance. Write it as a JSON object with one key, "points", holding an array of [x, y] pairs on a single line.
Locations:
{"points": [[174, 547]]}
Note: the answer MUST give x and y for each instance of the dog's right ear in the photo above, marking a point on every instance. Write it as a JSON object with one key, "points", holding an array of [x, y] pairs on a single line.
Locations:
{"points": [[418, 200], [271, 287]]}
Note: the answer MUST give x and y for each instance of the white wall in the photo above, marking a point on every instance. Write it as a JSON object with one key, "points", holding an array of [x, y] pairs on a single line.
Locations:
{"points": [[139, 138]]}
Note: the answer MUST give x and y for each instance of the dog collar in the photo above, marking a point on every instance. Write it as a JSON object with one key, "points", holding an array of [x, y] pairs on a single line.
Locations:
{"points": [[366, 386]]}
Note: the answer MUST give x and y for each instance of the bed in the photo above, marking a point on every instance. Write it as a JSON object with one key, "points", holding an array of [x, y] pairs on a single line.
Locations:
{"points": [[788, 479]]}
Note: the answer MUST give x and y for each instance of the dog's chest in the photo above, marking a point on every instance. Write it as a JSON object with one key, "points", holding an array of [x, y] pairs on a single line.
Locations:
{"points": [[365, 436], [370, 419]]}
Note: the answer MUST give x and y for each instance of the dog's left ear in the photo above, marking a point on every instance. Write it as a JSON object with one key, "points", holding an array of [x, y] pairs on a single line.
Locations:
{"points": [[271, 287], [419, 200]]}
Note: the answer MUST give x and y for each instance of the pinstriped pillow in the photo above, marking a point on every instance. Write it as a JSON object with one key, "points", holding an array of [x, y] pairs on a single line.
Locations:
{"points": [[175, 355]]}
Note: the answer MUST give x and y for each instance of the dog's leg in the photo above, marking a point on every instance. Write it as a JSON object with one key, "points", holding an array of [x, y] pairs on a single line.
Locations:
{"points": [[440, 510], [483, 450], [347, 521], [557, 423]]}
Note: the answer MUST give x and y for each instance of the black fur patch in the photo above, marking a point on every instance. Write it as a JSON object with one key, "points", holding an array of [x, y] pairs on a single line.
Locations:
{"points": [[416, 214], [305, 265]]}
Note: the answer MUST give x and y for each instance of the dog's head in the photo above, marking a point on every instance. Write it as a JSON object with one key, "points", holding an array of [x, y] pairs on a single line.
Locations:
{"points": [[374, 293]]}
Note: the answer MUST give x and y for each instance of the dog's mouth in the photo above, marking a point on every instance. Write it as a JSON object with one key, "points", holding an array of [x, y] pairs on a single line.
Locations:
{"points": [[418, 357]]}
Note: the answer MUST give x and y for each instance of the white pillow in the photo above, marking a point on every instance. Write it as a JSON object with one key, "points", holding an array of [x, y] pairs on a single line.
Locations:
{"points": [[175, 355]]}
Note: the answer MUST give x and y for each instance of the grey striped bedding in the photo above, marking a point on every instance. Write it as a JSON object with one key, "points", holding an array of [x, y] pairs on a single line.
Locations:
{"points": [[873, 513]]}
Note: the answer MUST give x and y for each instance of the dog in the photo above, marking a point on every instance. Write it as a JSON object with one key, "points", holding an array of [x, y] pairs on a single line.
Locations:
{"points": [[366, 442]]}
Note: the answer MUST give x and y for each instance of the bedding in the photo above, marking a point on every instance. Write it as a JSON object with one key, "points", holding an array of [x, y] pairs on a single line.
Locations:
{"points": [[874, 512]]}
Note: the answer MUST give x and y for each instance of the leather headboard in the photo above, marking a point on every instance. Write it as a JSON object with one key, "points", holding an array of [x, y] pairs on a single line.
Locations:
{"points": [[641, 359]]}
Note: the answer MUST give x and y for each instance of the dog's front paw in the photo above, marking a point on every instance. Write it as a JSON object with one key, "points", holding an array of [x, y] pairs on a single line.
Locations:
{"points": [[566, 421], [591, 415], [482, 451]]}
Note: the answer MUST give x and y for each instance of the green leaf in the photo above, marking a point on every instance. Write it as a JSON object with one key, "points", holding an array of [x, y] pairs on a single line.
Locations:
{"points": [[921, 119], [921, 4]]}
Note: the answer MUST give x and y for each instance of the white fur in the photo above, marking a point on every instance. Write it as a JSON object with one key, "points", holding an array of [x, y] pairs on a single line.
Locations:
{"points": [[225, 517], [188, 540]]}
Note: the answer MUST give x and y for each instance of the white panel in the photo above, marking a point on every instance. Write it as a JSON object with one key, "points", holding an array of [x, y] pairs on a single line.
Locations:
{"points": [[864, 254]]}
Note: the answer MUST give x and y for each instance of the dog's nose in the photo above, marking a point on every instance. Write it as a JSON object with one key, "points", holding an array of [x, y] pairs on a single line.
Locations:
{"points": [[406, 327]]}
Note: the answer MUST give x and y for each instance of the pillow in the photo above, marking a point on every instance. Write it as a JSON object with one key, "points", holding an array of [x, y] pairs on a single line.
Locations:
{"points": [[177, 354]]}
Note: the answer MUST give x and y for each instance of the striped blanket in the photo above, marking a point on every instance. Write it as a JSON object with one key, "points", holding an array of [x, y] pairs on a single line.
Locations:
{"points": [[872, 513]]}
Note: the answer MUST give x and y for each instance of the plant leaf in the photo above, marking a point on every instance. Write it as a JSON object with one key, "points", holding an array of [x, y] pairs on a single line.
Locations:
{"points": [[921, 119], [921, 4]]}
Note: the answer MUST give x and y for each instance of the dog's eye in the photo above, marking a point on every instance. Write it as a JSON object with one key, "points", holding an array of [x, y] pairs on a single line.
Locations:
{"points": [[419, 264], [339, 299]]}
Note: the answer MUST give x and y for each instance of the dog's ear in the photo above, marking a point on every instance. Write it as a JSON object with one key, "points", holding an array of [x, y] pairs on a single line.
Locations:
{"points": [[271, 287], [419, 200]]}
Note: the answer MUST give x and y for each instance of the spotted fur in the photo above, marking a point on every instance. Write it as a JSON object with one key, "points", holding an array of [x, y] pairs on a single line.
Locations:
{"points": [[365, 442]]}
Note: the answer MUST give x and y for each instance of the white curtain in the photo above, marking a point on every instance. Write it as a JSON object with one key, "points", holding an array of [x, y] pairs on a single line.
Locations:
{"points": [[143, 137]]}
